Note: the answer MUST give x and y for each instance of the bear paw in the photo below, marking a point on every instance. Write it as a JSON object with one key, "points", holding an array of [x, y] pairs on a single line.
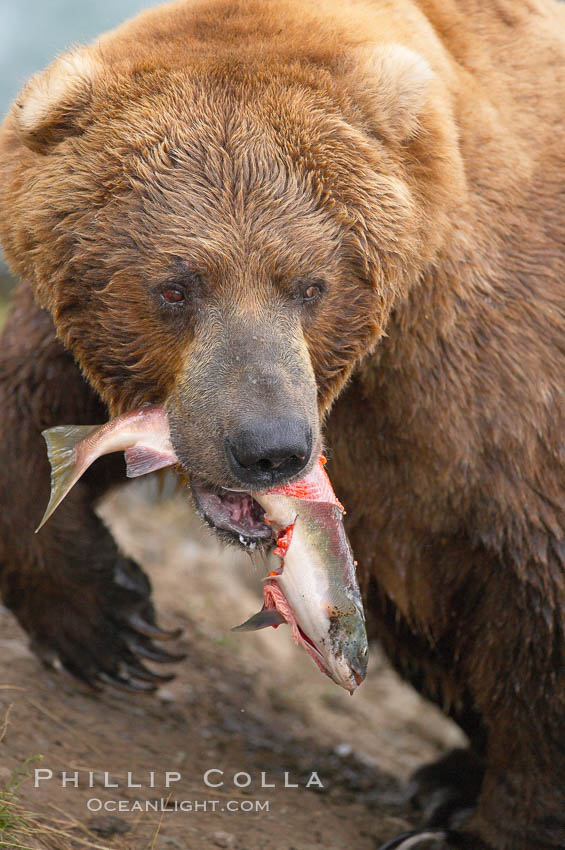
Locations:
{"points": [[101, 632], [446, 791]]}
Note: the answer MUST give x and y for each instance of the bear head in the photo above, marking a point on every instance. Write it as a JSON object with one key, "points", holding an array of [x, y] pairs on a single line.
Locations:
{"points": [[224, 231]]}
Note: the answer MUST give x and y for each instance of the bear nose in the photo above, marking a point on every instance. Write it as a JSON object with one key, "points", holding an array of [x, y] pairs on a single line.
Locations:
{"points": [[269, 451]]}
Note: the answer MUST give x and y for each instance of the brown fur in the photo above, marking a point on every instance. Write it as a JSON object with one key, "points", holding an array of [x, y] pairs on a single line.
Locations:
{"points": [[410, 154]]}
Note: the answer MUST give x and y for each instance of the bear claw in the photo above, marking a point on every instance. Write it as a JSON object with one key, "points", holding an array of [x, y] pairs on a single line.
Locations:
{"points": [[430, 839], [138, 671], [435, 839], [151, 630], [126, 683], [156, 654]]}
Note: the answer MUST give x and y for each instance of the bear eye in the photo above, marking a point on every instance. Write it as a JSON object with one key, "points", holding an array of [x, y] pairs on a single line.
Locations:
{"points": [[173, 294], [312, 292]]}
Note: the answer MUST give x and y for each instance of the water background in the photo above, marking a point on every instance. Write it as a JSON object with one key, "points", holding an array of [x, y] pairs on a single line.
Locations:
{"points": [[33, 32]]}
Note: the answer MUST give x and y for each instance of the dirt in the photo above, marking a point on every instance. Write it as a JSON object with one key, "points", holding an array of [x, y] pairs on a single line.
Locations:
{"points": [[248, 707]]}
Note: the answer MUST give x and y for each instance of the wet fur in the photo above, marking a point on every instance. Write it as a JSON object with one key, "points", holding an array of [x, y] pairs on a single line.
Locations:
{"points": [[428, 193]]}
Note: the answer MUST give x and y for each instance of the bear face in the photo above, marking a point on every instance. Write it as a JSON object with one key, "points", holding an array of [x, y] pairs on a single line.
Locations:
{"points": [[227, 239]]}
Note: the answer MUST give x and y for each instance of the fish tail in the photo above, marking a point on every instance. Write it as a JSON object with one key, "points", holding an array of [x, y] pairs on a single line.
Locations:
{"points": [[66, 469]]}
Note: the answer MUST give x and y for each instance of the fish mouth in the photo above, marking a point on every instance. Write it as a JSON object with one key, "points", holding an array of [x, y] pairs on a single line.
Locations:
{"points": [[235, 516], [340, 671], [336, 666]]}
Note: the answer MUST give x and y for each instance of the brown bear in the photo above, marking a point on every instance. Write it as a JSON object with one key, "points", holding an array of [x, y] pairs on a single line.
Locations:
{"points": [[272, 215]]}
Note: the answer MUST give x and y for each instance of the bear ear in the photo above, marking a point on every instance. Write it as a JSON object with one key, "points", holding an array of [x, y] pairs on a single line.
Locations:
{"points": [[48, 108], [396, 83]]}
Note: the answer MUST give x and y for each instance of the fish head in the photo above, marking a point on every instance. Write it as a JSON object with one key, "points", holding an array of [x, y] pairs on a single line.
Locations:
{"points": [[346, 652], [335, 639]]}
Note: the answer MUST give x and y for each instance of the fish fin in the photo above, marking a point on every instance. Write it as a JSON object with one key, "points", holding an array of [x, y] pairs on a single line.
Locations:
{"points": [[141, 460], [65, 471], [261, 620]]}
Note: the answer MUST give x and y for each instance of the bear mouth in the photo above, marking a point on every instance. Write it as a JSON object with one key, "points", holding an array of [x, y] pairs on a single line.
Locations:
{"points": [[235, 516]]}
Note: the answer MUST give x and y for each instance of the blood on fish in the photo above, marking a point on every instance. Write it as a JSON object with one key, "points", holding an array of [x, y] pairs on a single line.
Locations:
{"points": [[319, 490], [283, 540]]}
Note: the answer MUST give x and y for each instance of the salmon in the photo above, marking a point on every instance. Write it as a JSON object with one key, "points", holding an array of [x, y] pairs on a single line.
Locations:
{"points": [[314, 589], [142, 434]]}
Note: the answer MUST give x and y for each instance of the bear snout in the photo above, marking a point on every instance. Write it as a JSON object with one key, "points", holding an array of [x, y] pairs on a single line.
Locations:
{"points": [[268, 451]]}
